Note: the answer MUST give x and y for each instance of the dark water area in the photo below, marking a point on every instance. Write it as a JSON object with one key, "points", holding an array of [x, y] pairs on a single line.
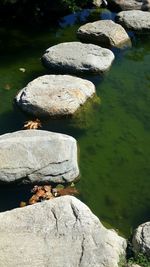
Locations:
{"points": [[112, 130]]}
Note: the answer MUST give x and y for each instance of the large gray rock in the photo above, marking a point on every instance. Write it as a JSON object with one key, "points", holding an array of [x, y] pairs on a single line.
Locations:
{"points": [[61, 232], [141, 239], [135, 20], [54, 95], [126, 4], [76, 57], [34, 156], [105, 33], [146, 5]]}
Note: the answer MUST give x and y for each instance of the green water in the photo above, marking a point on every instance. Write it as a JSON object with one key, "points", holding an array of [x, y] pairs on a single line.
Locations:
{"points": [[112, 133]]}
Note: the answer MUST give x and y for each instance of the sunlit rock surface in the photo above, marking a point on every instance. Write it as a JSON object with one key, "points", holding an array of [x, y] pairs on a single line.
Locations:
{"points": [[135, 20], [105, 33], [76, 57], [62, 232], [55, 95], [141, 239], [35, 156]]}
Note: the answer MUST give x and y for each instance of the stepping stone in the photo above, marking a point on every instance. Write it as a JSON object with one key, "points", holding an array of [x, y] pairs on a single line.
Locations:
{"points": [[76, 57], [105, 33], [55, 95], [126, 4], [135, 20], [35, 156]]}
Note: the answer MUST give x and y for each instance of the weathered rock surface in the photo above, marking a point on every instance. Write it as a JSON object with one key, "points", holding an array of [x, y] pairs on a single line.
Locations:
{"points": [[141, 239], [126, 4], [146, 5], [33, 156], [105, 33], [55, 95], [135, 20], [61, 232], [76, 57]]}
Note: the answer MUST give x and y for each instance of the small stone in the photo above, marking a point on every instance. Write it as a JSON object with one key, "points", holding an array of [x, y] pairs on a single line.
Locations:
{"points": [[141, 239]]}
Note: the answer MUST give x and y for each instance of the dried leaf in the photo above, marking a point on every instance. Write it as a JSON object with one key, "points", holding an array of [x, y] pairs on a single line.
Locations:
{"points": [[32, 124]]}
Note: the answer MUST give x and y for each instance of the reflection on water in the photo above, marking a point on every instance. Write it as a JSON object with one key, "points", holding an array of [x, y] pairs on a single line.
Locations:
{"points": [[113, 132]]}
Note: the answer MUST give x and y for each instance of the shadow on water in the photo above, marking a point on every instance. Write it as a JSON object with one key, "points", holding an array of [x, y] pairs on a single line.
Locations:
{"points": [[112, 130]]}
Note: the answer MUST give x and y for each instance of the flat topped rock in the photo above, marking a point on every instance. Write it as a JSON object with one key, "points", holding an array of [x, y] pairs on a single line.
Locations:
{"points": [[135, 20], [76, 57], [126, 4], [35, 156], [55, 95], [105, 33], [62, 232]]}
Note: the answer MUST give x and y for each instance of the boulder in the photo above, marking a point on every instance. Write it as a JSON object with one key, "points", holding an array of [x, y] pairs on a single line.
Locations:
{"points": [[146, 5], [54, 95], [61, 232], [36, 156], [141, 239], [105, 33], [76, 57], [135, 20], [125, 4]]}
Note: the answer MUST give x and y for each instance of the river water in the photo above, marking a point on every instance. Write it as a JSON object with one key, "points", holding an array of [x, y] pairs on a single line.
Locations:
{"points": [[113, 131]]}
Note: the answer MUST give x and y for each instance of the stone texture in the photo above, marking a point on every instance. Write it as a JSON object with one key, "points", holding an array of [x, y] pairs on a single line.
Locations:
{"points": [[54, 95], [146, 5], [126, 4], [97, 3], [105, 33], [141, 239], [34, 156], [76, 57], [135, 20], [61, 232]]}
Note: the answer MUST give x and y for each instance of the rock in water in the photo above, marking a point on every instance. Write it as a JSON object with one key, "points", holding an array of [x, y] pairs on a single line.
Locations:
{"points": [[135, 20], [61, 232], [126, 4], [54, 95], [35, 156], [76, 57], [141, 239], [105, 33]]}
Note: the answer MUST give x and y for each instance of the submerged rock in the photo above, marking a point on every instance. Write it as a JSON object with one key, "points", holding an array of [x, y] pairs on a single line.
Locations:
{"points": [[76, 57], [55, 95], [126, 4], [141, 239], [35, 156], [135, 20], [105, 33], [61, 232]]}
